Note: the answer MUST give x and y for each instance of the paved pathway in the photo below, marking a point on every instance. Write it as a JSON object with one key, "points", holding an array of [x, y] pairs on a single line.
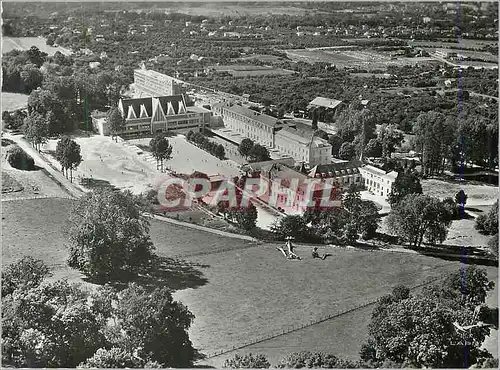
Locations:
{"points": [[203, 228]]}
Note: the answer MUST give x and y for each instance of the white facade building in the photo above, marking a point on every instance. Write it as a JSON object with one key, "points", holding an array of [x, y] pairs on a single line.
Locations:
{"points": [[313, 151], [378, 181], [249, 123], [153, 83]]}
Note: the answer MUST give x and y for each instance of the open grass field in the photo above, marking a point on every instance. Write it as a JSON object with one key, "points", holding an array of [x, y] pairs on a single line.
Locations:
{"points": [[239, 290], [18, 184], [237, 10], [366, 58], [13, 101], [25, 43], [477, 194], [467, 44]]}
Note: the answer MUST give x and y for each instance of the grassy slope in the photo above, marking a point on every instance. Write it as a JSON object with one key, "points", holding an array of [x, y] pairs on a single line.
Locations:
{"points": [[252, 291]]}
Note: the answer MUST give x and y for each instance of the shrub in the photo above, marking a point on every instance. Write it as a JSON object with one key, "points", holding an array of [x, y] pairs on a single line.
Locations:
{"points": [[26, 273], [312, 360], [247, 362], [19, 159]]}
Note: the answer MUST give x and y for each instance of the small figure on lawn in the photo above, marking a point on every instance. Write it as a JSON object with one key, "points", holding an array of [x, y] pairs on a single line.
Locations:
{"points": [[315, 254], [289, 253]]}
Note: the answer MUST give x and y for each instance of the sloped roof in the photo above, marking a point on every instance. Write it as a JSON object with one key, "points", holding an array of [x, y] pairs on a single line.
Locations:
{"points": [[325, 102], [177, 101], [263, 118], [336, 169]]}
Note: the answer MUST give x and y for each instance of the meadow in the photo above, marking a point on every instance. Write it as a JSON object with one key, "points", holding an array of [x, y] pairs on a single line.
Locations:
{"points": [[13, 101], [24, 43], [241, 291]]}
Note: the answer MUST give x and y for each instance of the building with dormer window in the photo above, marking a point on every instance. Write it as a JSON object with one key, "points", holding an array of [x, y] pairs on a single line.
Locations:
{"points": [[148, 116]]}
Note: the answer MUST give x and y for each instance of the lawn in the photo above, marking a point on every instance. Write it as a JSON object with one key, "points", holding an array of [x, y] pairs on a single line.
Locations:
{"points": [[260, 293], [238, 290], [478, 194], [13, 101]]}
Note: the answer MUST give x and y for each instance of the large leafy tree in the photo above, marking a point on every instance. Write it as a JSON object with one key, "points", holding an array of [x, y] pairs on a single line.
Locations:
{"points": [[406, 183], [47, 104], [155, 326], [488, 223], [50, 325], [417, 217], [390, 138], [347, 151], [68, 155], [291, 225], [246, 217], [108, 235], [36, 129], [24, 274], [434, 137], [161, 149], [418, 331], [116, 122], [245, 147], [259, 153]]}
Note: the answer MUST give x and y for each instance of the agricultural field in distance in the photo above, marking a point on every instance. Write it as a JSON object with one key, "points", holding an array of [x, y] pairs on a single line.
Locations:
{"points": [[250, 71], [13, 101], [25, 43], [235, 10], [367, 59], [467, 44]]}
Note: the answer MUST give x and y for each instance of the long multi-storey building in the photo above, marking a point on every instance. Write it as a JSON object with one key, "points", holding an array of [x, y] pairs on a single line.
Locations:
{"points": [[147, 116], [152, 83], [311, 150], [249, 123]]}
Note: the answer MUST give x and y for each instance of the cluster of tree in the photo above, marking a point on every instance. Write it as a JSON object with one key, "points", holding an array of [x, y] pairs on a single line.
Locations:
{"points": [[21, 70], [204, 143], [14, 120], [160, 149], [245, 216], [415, 217], [253, 152], [61, 324], [19, 159], [343, 225], [68, 155], [47, 116], [294, 360], [339, 225], [388, 139], [418, 330]]}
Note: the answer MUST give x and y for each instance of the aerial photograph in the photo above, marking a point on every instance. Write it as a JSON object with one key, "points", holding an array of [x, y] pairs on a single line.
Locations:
{"points": [[249, 184]]}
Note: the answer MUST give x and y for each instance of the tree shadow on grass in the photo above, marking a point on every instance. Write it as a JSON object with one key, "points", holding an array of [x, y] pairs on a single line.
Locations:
{"points": [[174, 273]]}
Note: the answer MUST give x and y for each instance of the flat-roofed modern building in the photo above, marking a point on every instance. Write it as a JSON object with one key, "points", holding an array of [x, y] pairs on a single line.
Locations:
{"points": [[249, 123], [310, 150], [147, 116], [152, 83]]}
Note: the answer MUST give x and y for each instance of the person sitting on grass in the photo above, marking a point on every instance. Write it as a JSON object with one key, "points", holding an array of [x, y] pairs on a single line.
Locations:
{"points": [[289, 254], [315, 254], [290, 247]]}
